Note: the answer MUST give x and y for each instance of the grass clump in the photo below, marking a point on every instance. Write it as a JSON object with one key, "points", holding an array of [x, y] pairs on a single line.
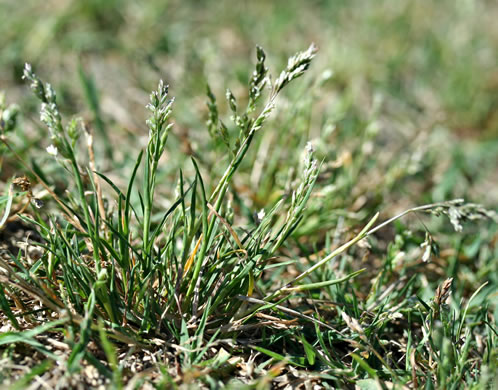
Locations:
{"points": [[199, 292]]}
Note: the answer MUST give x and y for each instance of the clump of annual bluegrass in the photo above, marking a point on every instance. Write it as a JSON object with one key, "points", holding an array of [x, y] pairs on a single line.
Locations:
{"points": [[141, 272]]}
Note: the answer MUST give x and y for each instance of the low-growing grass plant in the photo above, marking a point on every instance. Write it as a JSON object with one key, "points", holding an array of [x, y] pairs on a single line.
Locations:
{"points": [[205, 291]]}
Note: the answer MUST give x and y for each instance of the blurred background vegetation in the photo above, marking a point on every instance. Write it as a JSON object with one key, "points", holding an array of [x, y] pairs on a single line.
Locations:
{"points": [[432, 66], [401, 101]]}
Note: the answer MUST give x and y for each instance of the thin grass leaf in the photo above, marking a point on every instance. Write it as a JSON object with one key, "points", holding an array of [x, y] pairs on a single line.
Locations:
{"points": [[309, 350], [319, 285], [79, 350], [29, 337], [111, 355], [364, 365], [464, 315], [206, 230], [4, 304], [278, 357]]}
